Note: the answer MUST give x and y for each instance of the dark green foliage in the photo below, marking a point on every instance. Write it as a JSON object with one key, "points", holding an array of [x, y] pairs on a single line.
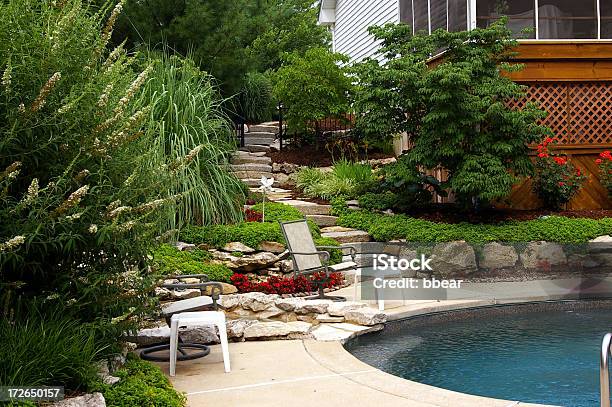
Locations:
{"points": [[312, 86], [454, 111], [378, 201], [167, 260], [335, 256], [142, 384], [51, 348], [256, 101], [554, 228], [346, 179]]}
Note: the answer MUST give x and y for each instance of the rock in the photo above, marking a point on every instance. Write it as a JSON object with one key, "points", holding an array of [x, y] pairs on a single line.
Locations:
{"points": [[128, 347], [312, 307], [237, 247], [496, 256], [206, 334], [151, 336], [226, 289], [162, 293], [351, 236], [333, 229], [257, 301], [543, 255], [270, 312], [285, 168], [110, 380], [181, 246], [326, 318], [338, 309], [323, 220], [452, 258], [365, 316], [601, 244], [236, 327], [275, 329], [247, 263], [272, 247], [289, 304], [285, 266], [88, 400], [205, 246], [184, 294], [239, 313], [229, 301]]}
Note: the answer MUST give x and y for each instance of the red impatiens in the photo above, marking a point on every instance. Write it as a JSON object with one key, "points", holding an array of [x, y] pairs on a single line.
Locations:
{"points": [[284, 285], [605, 170], [557, 180]]}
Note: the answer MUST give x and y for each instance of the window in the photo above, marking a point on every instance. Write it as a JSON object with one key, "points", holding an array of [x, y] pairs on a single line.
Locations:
{"points": [[457, 15], [520, 13], [606, 18], [438, 14], [567, 19], [421, 12], [406, 12]]}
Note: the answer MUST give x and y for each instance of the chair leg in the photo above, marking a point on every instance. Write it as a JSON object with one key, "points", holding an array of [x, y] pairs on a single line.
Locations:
{"points": [[173, 346], [224, 346]]}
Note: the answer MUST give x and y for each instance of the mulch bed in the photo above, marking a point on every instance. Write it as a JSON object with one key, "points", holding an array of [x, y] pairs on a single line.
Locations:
{"points": [[311, 156]]}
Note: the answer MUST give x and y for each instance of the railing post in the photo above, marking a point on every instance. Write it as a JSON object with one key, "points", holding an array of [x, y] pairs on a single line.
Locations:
{"points": [[604, 374]]}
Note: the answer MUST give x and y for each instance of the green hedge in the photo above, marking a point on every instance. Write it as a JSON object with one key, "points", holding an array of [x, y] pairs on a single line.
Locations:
{"points": [[276, 212], [553, 228], [167, 260], [142, 384]]}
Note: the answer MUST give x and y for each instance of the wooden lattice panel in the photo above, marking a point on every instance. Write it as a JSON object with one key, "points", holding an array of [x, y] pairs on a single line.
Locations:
{"points": [[578, 113], [591, 113], [552, 97]]}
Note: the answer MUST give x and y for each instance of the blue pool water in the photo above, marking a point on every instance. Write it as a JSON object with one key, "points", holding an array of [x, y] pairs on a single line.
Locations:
{"points": [[548, 357]]}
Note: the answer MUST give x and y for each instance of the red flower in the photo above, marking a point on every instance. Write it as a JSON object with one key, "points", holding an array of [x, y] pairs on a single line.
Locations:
{"points": [[542, 155], [561, 184], [578, 173], [560, 160], [598, 161], [607, 155]]}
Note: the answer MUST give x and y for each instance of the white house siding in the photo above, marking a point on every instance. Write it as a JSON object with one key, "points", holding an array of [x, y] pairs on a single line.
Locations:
{"points": [[353, 17]]}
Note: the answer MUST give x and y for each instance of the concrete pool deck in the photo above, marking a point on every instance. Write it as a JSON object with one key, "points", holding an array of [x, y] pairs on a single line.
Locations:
{"points": [[313, 373]]}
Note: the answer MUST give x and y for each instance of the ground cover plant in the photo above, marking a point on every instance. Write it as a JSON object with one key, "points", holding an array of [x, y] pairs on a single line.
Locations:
{"points": [[168, 261], [346, 178], [550, 228], [286, 285], [142, 384], [455, 110]]}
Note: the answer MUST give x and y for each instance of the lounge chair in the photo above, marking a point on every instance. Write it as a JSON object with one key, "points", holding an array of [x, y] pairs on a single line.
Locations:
{"points": [[201, 303], [309, 259]]}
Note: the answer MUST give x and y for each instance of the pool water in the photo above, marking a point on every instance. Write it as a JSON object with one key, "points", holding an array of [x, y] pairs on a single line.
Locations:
{"points": [[549, 357]]}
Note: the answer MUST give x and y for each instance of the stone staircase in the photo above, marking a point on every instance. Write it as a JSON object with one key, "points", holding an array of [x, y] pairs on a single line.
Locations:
{"points": [[250, 163]]}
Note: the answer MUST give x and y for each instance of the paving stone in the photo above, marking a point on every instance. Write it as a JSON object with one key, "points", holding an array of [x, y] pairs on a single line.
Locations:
{"points": [[309, 208], [276, 329], [251, 168], [258, 141], [255, 148], [365, 316], [323, 220], [341, 332], [349, 237], [263, 128]]}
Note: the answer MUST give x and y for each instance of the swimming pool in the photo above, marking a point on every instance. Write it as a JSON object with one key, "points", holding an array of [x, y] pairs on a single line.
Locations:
{"points": [[540, 353]]}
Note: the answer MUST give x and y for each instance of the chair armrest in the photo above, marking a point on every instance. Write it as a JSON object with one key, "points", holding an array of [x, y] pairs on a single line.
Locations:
{"points": [[216, 287], [322, 253], [352, 250]]}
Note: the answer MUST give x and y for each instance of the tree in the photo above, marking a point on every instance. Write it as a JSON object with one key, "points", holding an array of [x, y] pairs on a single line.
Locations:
{"points": [[454, 110], [312, 87]]}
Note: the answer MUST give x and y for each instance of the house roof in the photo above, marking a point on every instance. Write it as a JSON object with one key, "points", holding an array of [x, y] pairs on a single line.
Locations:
{"points": [[327, 12]]}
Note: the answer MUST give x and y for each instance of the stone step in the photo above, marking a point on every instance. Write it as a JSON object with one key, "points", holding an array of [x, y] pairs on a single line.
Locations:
{"points": [[248, 154], [252, 175], [309, 208], [252, 182], [265, 128], [323, 220], [260, 134], [347, 235], [255, 149], [240, 160], [276, 194], [258, 141], [251, 167]]}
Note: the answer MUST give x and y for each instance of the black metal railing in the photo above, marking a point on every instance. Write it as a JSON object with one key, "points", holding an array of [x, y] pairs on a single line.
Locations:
{"points": [[239, 124]]}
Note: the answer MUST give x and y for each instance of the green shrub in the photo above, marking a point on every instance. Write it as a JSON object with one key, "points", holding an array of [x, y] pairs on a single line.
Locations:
{"points": [[378, 202], [256, 101], [346, 178], [51, 348], [335, 256], [142, 384], [276, 212], [554, 228]]}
